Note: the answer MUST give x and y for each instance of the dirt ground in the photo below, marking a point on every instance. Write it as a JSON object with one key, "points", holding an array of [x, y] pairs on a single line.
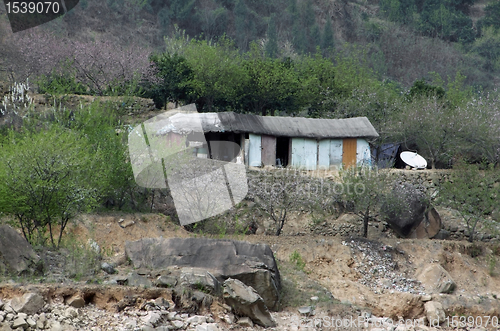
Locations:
{"points": [[334, 264]]}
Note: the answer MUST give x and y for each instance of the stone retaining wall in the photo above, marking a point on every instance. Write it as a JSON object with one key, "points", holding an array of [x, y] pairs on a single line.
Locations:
{"points": [[454, 226]]}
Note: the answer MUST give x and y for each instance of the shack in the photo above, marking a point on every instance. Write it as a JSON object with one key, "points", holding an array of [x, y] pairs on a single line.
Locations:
{"points": [[298, 142]]}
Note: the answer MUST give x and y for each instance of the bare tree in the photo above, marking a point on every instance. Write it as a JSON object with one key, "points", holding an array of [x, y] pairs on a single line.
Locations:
{"points": [[278, 192]]}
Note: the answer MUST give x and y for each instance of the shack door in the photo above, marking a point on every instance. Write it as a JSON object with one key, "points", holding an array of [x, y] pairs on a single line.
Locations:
{"points": [[268, 150], [349, 152], [255, 151]]}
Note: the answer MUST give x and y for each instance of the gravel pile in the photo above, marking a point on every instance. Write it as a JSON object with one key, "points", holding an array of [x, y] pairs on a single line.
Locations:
{"points": [[379, 271]]}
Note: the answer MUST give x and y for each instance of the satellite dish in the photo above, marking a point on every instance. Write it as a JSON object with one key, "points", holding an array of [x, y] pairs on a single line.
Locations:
{"points": [[413, 160]]}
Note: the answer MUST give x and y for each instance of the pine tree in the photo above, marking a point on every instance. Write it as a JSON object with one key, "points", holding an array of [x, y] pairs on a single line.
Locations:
{"points": [[242, 25], [315, 38], [327, 43], [272, 38], [307, 14], [299, 40]]}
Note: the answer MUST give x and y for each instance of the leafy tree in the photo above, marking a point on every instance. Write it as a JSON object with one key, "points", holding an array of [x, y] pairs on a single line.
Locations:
{"points": [[317, 77], [98, 122], [443, 21], [218, 77], [272, 84], [471, 192], [174, 74], [422, 88], [47, 178]]}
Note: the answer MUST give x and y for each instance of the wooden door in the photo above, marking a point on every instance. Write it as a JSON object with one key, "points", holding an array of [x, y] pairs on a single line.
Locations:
{"points": [[268, 150], [349, 152]]}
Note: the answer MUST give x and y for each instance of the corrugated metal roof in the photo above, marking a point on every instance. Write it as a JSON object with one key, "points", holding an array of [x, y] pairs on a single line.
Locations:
{"points": [[272, 125]]}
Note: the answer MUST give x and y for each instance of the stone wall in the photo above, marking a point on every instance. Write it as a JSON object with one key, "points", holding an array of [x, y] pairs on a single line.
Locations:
{"points": [[454, 226]]}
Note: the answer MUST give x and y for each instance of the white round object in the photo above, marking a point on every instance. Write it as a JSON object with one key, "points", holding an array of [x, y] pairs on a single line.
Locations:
{"points": [[413, 160]]}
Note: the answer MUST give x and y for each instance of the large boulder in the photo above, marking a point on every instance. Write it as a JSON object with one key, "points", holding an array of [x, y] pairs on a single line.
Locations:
{"points": [[253, 264], [247, 302], [429, 227], [16, 254], [436, 279], [405, 208], [30, 303]]}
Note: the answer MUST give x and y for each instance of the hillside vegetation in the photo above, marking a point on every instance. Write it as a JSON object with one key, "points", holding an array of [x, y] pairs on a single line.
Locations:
{"points": [[423, 72]]}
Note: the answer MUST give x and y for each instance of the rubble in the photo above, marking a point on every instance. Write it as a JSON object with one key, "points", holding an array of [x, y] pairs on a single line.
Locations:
{"points": [[378, 270]]}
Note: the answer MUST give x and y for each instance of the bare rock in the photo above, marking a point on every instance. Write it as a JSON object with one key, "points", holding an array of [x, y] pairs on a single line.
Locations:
{"points": [[430, 226], [405, 208], [16, 254], [29, 303], [190, 300], [245, 322], [247, 302], [207, 327], [436, 279], [19, 323], [200, 279], [76, 301], [253, 264], [434, 312], [134, 279], [165, 281], [108, 268]]}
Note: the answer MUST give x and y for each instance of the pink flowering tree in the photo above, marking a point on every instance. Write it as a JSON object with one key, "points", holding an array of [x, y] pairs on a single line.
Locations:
{"points": [[102, 67]]}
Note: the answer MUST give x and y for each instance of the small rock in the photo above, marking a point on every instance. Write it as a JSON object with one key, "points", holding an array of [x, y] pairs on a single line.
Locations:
{"points": [[426, 298], [162, 303], [71, 312], [108, 268], [229, 318], [76, 301], [166, 281], [126, 223], [197, 319], [306, 310], [19, 323], [207, 327], [22, 315], [434, 312], [152, 318], [31, 322], [245, 322], [178, 324]]}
